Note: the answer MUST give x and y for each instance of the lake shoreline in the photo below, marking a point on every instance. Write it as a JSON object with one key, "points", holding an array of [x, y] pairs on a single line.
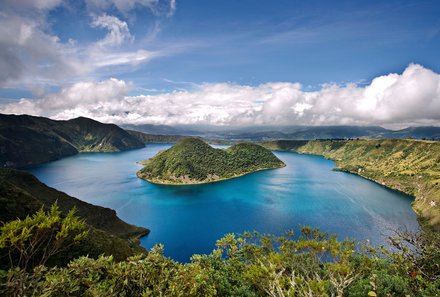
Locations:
{"points": [[424, 216]]}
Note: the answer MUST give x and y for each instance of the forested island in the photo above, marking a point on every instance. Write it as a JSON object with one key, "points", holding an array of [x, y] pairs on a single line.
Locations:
{"points": [[192, 161]]}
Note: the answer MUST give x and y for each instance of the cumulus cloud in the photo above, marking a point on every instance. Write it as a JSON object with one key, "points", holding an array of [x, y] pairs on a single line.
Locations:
{"points": [[93, 99], [412, 97]]}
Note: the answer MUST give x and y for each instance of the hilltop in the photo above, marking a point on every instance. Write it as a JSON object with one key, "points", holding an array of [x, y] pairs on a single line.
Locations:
{"points": [[192, 161], [410, 166], [22, 194], [28, 140]]}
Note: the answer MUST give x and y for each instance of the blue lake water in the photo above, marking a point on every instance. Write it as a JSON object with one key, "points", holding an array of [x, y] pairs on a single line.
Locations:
{"points": [[189, 219]]}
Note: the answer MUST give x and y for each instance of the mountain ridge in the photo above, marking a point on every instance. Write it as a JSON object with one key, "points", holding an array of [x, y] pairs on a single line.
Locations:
{"points": [[28, 140], [260, 133]]}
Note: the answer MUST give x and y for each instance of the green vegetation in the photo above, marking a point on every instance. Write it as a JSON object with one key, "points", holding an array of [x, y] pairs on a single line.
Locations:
{"points": [[27, 140], [22, 194], [192, 161], [38, 238], [313, 264], [410, 166]]}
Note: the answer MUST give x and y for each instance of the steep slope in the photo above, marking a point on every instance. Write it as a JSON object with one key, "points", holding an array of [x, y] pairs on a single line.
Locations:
{"points": [[192, 161], [92, 136], [22, 194], [410, 166], [27, 140]]}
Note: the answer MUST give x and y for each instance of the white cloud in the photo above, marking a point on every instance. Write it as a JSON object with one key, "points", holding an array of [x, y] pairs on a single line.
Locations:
{"points": [[173, 6], [93, 99], [118, 31], [29, 55], [412, 97], [122, 58], [32, 58]]}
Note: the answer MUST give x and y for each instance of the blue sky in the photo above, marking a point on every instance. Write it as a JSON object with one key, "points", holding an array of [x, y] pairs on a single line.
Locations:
{"points": [[160, 47]]}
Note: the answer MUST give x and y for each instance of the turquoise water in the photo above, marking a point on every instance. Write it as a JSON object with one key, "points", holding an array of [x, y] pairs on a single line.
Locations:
{"points": [[189, 219]]}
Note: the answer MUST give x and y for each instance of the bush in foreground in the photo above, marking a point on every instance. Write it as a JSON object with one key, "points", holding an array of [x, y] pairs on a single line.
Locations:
{"points": [[314, 264]]}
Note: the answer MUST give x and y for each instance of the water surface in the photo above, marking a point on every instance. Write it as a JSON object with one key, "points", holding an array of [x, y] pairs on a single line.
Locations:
{"points": [[189, 219]]}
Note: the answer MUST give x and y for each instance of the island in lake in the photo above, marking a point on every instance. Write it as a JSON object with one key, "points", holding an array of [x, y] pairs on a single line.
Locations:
{"points": [[192, 161]]}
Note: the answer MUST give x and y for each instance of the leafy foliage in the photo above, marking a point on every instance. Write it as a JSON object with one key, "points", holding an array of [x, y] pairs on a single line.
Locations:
{"points": [[32, 241], [22, 194], [193, 161], [312, 264]]}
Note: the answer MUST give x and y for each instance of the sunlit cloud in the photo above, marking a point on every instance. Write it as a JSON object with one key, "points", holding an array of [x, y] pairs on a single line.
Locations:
{"points": [[412, 97]]}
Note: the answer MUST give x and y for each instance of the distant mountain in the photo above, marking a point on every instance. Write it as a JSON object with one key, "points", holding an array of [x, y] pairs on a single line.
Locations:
{"points": [[27, 140], [261, 133], [163, 129], [22, 194], [192, 161], [417, 133], [155, 138]]}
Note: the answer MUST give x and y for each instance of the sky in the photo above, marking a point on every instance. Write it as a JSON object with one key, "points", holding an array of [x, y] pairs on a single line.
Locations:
{"points": [[222, 62]]}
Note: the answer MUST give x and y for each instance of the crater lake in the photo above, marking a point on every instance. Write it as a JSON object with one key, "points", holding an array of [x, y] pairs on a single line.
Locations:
{"points": [[188, 220]]}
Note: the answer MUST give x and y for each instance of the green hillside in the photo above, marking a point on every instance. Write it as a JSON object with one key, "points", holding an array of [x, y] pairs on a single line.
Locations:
{"points": [[22, 194], [27, 140], [192, 161], [410, 166]]}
